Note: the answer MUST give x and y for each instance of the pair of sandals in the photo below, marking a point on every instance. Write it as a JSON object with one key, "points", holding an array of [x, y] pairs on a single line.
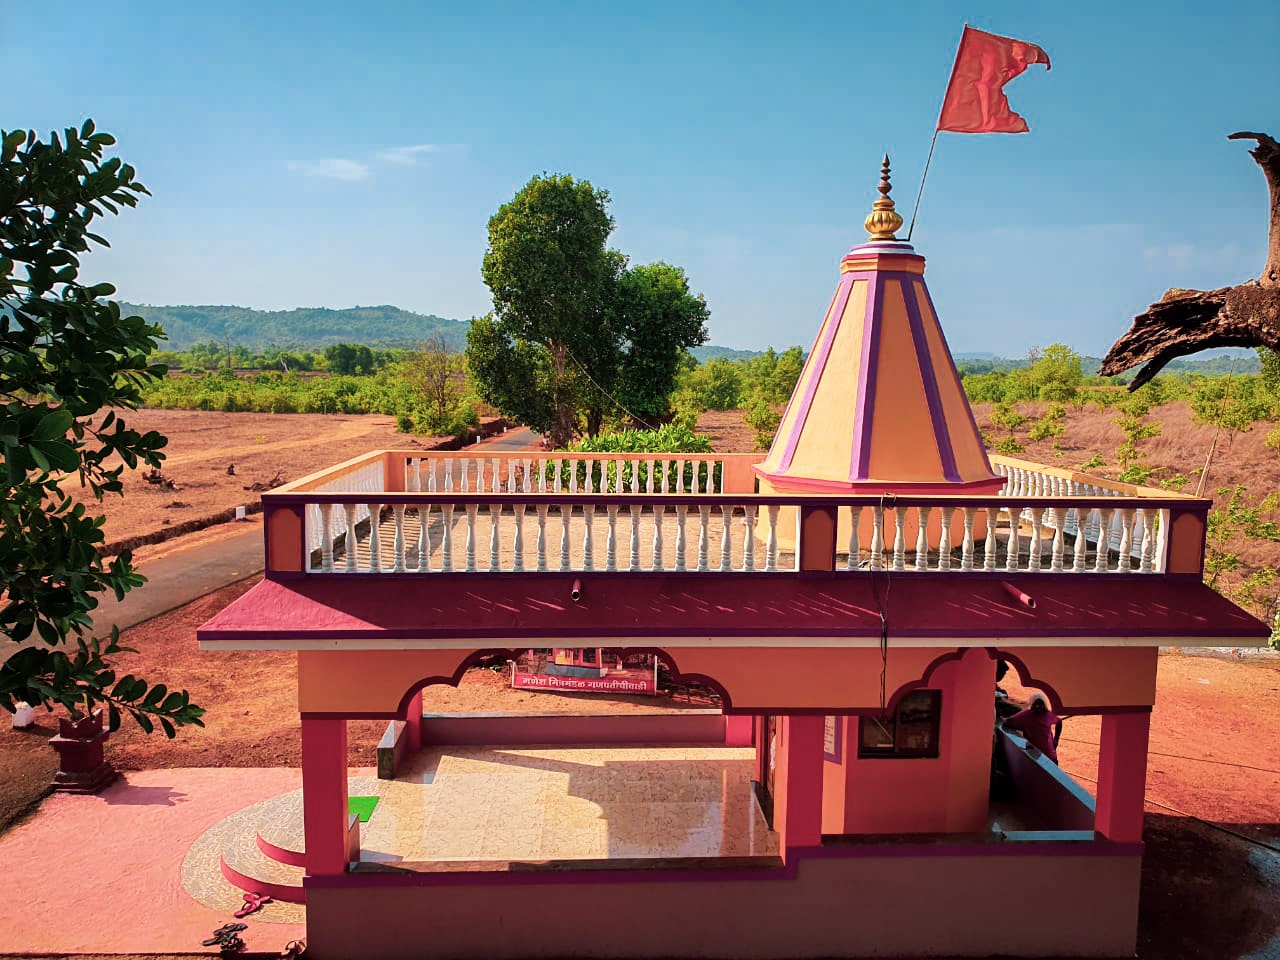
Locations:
{"points": [[227, 939]]}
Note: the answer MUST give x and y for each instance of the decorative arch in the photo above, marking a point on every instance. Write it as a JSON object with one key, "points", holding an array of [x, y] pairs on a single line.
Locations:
{"points": [[994, 654], [467, 662]]}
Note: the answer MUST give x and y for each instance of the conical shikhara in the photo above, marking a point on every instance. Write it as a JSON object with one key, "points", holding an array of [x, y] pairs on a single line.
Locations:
{"points": [[879, 407]]}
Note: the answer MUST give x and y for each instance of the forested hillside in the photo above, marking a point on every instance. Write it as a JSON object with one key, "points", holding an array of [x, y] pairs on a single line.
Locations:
{"points": [[384, 326]]}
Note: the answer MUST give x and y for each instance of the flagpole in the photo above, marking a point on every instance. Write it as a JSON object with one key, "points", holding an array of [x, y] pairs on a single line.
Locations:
{"points": [[934, 142], [920, 193]]}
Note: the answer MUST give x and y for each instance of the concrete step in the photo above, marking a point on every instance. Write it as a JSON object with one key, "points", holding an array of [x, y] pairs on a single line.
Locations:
{"points": [[279, 830], [246, 865]]}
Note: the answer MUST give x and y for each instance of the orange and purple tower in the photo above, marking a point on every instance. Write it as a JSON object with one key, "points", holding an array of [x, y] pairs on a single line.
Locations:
{"points": [[879, 407]]}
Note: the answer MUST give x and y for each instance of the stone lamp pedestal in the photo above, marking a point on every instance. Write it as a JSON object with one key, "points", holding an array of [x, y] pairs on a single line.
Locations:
{"points": [[81, 767]]}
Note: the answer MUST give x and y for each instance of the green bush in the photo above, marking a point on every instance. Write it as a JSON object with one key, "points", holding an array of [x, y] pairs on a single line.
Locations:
{"points": [[668, 439], [386, 392]]}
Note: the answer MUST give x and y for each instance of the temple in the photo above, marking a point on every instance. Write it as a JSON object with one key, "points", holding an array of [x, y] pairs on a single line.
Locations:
{"points": [[847, 598]]}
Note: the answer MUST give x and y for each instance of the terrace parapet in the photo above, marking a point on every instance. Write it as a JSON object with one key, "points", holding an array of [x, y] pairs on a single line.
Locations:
{"points": [[415, 513]]}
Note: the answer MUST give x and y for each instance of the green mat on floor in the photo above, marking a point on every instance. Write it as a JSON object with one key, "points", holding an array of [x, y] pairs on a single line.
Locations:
{"points": [[362, 807]]}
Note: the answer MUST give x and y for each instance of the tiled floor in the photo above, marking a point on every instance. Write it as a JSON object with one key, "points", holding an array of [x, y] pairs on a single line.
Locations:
{"points": [[473, 803], [562, 803]]}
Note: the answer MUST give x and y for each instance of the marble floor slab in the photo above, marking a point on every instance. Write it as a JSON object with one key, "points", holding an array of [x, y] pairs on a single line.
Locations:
{"points": [[467, 803]]}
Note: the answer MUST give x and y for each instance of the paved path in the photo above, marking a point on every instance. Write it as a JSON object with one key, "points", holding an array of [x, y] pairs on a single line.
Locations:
{"points": [[103, 874], [176, 580]]}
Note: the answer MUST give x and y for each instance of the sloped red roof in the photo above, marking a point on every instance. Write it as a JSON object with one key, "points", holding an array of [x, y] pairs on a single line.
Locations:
{"points": [[392, 609]]}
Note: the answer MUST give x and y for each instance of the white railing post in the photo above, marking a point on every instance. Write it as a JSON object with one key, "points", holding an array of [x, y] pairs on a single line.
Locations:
{"points": [[922, 538], [1082, 543], [472, 509], [1101, 561], [704, 516], [877, 536], [1056, 522], [566, 511], [495, 539], [517, 560], [681, 512], [326, 538], [611, 540], [424, 537], [944, 539], [966, 545], [899, 538], [446, 538], [855, 544], [541, 544], [398, 543], [634, 561], [1013, 549], [658, 513], [992, 544], [726, 539], [1126, 540], [375, 538], [588, 542], [771, 543]]}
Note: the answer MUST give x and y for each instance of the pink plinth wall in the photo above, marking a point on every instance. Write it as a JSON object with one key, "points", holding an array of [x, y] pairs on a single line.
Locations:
{"points": [[946, 794], [324, 794], [1122, 775], [527, 729], [857, 901]]}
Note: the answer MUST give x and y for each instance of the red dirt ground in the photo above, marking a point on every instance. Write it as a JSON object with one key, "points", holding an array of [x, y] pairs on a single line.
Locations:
{"points": [[260, 445]]}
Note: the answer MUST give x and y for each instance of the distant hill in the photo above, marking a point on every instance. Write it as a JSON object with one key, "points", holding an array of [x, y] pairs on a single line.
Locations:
{"points": [[1245, 361], [384, 326], [388, 326], [712, 352]]}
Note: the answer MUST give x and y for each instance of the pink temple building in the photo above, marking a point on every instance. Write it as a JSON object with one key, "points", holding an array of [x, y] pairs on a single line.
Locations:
{"points": [[848, 597]]}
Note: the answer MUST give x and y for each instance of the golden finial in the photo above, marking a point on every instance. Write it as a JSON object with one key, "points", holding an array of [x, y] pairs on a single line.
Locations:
{"points": [[883, 222]]}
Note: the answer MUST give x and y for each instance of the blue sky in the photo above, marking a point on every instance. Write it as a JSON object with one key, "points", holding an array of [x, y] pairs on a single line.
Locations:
{"points": [[741, 141]]}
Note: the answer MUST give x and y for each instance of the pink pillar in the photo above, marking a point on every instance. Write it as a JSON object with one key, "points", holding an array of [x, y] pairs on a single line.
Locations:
{"points": [[797, 802], [413, 723], [324, 794], [762, 746], [1122, 775]]}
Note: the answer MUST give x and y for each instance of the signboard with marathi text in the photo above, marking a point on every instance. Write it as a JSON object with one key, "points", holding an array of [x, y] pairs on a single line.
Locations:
{"points": [[589, 670]]}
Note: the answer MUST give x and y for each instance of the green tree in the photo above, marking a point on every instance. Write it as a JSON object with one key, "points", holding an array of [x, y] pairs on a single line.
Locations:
{"points": [[550, 275], [658, 319], [1055, 374], [576, 335], [438, 375], [714, 385], [67, 354], [349, 358], [1137, 428]]}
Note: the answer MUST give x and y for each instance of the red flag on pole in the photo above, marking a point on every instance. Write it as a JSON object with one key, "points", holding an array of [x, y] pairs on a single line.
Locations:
{"points": [[975, 100]]}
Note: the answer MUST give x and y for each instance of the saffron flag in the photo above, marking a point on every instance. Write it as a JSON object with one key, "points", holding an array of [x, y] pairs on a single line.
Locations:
{"points": [[975, 100]]}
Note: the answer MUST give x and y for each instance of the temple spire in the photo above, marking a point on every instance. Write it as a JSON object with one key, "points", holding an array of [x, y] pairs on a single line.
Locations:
{"points": [[883, 222]]}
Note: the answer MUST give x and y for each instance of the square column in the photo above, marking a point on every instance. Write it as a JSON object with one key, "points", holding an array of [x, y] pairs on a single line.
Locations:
{"points": [[324, 794], [797, 803], [1122, 775]]}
